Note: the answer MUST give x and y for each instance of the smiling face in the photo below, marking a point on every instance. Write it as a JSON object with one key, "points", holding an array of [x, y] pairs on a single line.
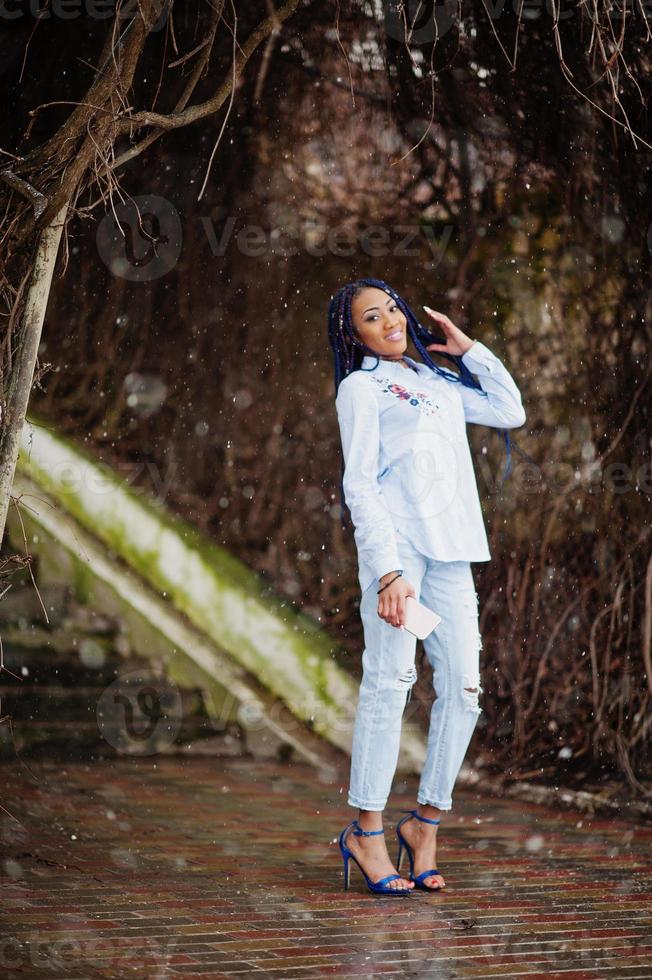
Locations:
{"points": [[379, 322]]}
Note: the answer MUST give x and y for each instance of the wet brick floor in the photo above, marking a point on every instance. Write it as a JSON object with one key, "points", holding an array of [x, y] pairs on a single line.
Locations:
{"points": [[196, 867]]}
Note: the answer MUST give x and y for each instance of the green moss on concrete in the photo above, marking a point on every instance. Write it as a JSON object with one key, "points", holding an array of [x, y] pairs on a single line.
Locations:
{"points": [[223, 562], [81, 581], [277, 643]]}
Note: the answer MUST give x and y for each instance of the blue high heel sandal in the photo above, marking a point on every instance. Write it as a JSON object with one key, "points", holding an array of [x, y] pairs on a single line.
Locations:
{"points": [[378, 887], [419, 880]]}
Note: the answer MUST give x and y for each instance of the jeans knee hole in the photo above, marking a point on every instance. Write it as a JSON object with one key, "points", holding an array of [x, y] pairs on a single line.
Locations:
{"points": [[471, 695]]}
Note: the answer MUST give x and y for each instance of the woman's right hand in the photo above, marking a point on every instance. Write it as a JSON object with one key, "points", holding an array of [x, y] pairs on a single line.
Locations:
{"points": [[391, 601]]}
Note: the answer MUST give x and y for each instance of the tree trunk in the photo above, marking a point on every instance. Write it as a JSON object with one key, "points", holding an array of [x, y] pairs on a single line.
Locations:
{"points": [[29, 338]]}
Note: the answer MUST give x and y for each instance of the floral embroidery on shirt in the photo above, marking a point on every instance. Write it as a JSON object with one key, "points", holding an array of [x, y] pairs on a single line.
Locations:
{"points": [[417, 398]]}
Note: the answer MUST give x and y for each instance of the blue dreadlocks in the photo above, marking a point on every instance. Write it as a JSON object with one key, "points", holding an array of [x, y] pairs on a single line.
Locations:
{"points": [[348, 349]]}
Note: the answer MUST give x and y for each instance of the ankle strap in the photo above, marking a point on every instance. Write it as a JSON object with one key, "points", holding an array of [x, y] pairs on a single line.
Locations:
{"points": [[359, 832], [422, 819]]}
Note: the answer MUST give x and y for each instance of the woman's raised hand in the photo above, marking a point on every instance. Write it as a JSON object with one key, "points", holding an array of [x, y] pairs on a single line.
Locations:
{"points": [[391, 601], [456, 340]]}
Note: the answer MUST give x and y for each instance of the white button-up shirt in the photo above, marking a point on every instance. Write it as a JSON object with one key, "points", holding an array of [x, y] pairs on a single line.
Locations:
{"points": [[408, 471]]}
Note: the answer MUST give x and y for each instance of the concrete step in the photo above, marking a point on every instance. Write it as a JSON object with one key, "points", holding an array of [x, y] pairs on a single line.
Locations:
{"points": [[71, 700], [43, 702], [46, 667], [84, 740]]}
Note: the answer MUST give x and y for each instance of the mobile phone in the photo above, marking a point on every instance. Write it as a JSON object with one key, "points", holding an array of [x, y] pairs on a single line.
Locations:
{"points": [[419, 619]]}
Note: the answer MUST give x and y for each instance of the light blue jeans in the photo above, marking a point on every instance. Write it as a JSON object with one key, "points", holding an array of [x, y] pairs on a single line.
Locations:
{"points": [[388, 661]]}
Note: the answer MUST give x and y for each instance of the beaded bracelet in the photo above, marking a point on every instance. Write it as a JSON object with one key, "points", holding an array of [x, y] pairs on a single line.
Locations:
{"points": [[389, 583]]}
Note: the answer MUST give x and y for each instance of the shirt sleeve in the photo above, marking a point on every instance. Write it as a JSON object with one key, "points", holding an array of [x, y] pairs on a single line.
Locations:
{"points": [[357, 413], [501, 406]]}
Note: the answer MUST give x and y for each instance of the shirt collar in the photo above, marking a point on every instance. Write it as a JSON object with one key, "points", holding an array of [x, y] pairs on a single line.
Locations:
{"points": [[370, 363]]}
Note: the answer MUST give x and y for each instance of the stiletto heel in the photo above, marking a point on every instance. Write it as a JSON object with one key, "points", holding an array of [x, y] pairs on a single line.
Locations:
{"points": [[419, 880], [347, 873], [377, 887]]}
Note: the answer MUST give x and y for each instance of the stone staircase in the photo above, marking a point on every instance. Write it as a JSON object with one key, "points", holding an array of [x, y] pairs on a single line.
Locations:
{"points": [[72, 687]]}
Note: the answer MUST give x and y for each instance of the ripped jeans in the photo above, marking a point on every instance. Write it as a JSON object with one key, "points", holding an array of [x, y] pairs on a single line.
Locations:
{"points": [[388, 661]]}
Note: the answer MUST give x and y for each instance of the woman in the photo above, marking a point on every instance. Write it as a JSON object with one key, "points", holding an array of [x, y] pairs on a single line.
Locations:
{"points": [[410, 487]]}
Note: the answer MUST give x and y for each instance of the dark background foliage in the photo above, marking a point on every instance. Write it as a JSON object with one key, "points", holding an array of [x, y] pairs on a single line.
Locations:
{"points": [[509, 166]]}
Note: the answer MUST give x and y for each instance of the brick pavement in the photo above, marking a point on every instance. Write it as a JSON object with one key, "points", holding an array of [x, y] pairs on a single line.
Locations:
{"points": [[186, 867]]}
